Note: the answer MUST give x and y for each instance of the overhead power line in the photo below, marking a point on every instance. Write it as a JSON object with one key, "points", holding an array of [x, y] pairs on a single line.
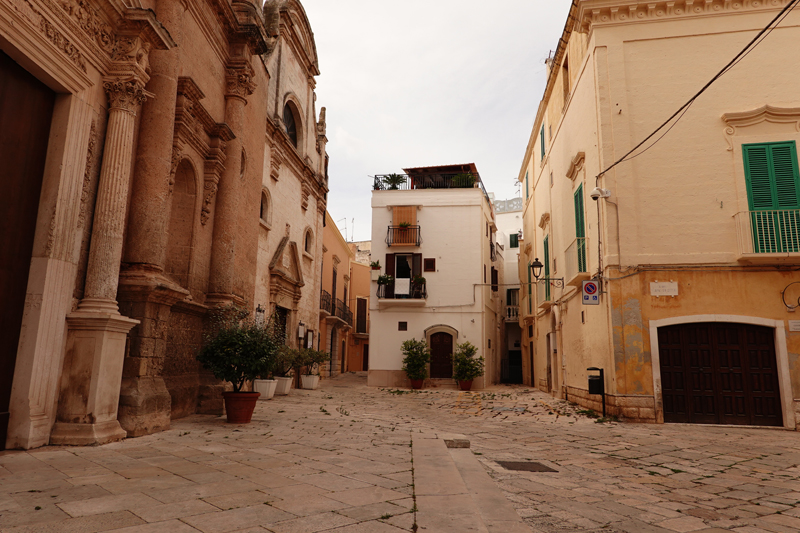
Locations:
{"points": [[685, 107]]}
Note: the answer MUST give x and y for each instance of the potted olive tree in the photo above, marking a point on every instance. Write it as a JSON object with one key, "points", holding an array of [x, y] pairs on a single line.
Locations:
{"points": [[415, 363], [238, 349], [466, 366], [311, 360], [282, 369]]}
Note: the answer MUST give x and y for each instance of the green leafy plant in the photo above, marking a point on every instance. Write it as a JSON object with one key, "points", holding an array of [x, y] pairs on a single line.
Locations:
{"points": [[311, 359], [375, 265], [393, 181], [238, 348], [463, 181], [404, 224], [385, 279], [466, 365], [418, 280], [284, 361], [417, 356]]}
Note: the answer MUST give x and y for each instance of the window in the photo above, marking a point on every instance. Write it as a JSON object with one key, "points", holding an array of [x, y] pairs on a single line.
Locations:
{"points": [[430, 264], [530, 290], [580, 229], [490, 342], [773, 196], [527, 191], [402, 267], [541, 140], [547, 267], [514, 240], [484, 273], [530, 332], [495, 282], [308, 245], [512, 296], [565, 79], [402, 326], [264, 211], [289, 122]]}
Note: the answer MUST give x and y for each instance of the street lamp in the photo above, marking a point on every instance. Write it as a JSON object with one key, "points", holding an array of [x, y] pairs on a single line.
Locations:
{"points": [[536, 269]]}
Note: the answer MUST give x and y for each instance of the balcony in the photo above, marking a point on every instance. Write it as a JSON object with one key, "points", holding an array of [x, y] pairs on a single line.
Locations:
{"points": [[545, 295], [576, 264], [512, 313], [326, 303], [404, 236], [768, 236], [343, 312], [415, 297], [431, 180]]}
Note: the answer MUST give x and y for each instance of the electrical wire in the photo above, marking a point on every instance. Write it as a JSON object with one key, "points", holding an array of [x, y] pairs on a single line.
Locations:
{"points": [[685, 107]]}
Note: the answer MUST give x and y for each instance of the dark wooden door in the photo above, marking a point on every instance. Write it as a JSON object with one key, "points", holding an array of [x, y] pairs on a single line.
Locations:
{"points": [[719, 373], [26, 109], [441, 355], [365, 363]]}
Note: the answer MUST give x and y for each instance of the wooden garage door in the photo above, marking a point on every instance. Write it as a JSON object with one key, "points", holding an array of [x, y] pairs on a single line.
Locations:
{"points": [[719, 373]]}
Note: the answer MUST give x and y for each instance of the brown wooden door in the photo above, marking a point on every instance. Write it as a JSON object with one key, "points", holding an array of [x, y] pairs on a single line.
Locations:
{"points": [[365, 363], [719, 373], [26, 109], [441, 355]]}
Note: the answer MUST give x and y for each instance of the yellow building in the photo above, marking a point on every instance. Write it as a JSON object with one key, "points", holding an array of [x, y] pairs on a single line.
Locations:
{"points": [[694, 243]]}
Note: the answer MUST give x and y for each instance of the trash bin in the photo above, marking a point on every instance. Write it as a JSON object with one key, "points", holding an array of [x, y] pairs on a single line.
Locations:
{"points": [[595, 384]]}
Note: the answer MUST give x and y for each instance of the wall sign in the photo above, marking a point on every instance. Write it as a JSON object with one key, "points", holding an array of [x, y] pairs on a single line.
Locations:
{"points": [[664, 288], [591, 293]]}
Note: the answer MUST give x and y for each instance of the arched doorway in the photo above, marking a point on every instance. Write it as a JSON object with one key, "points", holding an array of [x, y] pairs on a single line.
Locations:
{"points": [[441, 355]]}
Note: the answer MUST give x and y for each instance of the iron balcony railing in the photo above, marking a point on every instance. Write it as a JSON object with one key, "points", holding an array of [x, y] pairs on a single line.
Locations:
{"points": [[326, 303], [343, 312], [417, 291], [575, 258], [404, 236], [512, 312], [768, 232], [438, 180]]}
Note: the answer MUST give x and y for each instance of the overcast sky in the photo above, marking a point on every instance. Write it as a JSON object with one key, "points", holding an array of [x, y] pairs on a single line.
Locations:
{"points": [[428, 82]]}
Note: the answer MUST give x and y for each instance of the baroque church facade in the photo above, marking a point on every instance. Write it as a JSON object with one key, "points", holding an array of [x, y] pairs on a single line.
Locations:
{"points": [[162, 158]]}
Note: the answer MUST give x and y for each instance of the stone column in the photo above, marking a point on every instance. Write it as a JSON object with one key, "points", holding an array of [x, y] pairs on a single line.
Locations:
{"points": [[239, 85], [144, 292], [89, 396]]}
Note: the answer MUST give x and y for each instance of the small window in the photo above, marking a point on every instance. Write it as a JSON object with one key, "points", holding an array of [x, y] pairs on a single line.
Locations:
{"points": [[264, 211], [490, 343], [514, 240], [402, 326], [484, 273], [289, 122], [530, 332], [429, 264], [495, 281], [308, 244]]}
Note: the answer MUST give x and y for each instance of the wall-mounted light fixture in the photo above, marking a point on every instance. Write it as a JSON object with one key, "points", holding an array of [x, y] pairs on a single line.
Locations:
{"points": [[536, 270]]}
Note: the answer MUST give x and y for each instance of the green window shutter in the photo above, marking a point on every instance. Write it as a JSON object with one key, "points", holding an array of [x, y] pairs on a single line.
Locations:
{"points": [[527, 191], [773, 195], [513, 241], [580, 229], [530, 291], [547, 267], [541, 137]]}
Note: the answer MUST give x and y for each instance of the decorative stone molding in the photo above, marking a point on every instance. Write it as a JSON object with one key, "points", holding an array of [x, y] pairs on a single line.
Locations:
{"points": [[177, 155], [306, 192], [322, 129], [133, 50], [576, 165], [89, 20], [125, 95], [62, 43], [214, 165], [276, 159], [88, 174], [766, 113], [621, 12], [239, 80], [544, 220]]}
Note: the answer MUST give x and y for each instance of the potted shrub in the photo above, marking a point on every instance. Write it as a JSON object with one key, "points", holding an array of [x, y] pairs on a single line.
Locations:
{"points": [[463, 181], [415, 363], [385, 279], [417, 286], [282, 370], [466, 366], [238, 349], [393, 181], [375, 265], [375, 273], [311, 360]]}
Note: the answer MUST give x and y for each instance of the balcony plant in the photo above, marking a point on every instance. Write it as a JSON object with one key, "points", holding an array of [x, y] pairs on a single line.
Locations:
{"points": [[238, 349], [394, 181], [463, 181], [415, 363], [285, 361], [466, 366], [311, 360], [385, 279], [404, 225], [417, 286], [375, 265]]}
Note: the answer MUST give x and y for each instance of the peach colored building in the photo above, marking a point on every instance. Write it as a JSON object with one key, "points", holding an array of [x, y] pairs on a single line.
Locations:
{"points": [[434, 232], [692, 245], [358, 301], [160, 158]]}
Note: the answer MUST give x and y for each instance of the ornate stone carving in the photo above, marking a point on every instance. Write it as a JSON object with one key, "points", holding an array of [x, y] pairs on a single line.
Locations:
{"points": [[766, 113], [276, 159], [133, 50], [306, 192], [125, 95], [209, 193], [88, 173], [239, 80], [62, 43], [576, 165], [88, 18], [544, 220], [175, 161]]}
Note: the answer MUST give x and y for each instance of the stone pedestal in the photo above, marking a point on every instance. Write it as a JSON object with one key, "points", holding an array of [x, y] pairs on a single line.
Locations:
{"points": [[87, 406]]}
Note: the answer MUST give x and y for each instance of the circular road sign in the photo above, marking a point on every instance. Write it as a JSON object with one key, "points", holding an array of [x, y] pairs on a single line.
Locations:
{"points": [[590, 287]]}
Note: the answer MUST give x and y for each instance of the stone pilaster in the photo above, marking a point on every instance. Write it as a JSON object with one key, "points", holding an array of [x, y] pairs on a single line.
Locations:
{"points": [[239, 85]]}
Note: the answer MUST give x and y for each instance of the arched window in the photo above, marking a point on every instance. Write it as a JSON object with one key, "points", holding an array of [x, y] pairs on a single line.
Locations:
{"points": [[308, 245], [291, 126], [264, 212], [181, 224]]}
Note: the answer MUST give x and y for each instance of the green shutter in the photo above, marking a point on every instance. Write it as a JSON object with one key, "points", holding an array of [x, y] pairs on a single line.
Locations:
{"points": [[541, 136], [527, 190], [580, 229], [513, 241], [530, 310], [547, 268], [773, 196]]}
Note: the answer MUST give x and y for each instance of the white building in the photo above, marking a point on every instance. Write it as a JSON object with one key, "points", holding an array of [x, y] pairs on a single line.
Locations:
{"points": [[509, 230], [437, 223]]}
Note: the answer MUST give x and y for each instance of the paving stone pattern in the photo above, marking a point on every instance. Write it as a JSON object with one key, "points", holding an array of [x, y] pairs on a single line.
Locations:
{"points": [[340, 459]]}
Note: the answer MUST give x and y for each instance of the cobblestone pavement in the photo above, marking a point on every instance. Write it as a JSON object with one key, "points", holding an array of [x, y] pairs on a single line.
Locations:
{"points": [[340, 459]]}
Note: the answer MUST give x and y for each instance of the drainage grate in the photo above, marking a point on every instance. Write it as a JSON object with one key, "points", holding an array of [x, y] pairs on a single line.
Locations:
{"points": [[525, 466], [456, 443]]}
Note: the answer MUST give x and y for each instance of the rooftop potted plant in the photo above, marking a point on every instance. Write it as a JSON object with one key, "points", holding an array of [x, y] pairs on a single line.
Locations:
{"points": [[238, 349], [466, 366], [415, 363], [463, 181], [393, 181], [311, 360], [285, 359]]}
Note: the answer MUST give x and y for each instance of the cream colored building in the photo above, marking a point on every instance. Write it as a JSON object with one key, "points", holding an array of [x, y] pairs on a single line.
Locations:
{"points": [[439, 224], [696, 247], [509, 227]]}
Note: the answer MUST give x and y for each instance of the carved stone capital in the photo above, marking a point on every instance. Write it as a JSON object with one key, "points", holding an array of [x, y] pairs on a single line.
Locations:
{"points": [[126, 95], [239, 80]]}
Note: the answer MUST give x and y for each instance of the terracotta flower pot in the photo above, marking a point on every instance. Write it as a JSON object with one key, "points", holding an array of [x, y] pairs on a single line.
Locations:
{"points": [[465, 384], [417, 383], [239, 406]]}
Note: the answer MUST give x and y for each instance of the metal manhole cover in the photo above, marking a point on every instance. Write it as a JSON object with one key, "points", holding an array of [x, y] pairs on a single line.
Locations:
{"points": [[525, 466]]}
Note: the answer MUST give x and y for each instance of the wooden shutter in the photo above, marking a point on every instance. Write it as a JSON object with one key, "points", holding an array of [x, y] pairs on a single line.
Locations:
{"points": [[494, 279], [547, 267], [389, 291], [580, 229], [416, 265], [404, 213]]}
